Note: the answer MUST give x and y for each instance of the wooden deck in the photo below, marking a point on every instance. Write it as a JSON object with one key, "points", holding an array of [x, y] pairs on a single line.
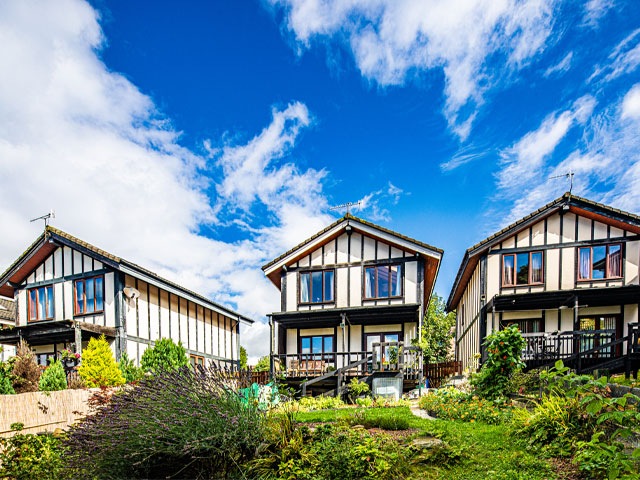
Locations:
{"points": [[585, 351]]}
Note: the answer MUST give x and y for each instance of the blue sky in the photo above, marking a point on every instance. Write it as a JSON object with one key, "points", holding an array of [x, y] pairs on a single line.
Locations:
{"points": [[201, 139]]}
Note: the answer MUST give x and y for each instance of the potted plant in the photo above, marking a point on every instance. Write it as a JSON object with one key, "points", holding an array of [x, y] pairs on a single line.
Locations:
{"points": [[69, 359], [393, 358]]}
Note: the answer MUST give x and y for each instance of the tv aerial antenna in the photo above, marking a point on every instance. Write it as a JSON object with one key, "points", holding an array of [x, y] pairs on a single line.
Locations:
{"points": [[568, 175], [347, 205], [46, 218]]}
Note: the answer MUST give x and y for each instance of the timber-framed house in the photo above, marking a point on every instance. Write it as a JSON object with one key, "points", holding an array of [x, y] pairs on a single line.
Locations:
{"points": [[567, 275], [353, 297], [66, 291]]}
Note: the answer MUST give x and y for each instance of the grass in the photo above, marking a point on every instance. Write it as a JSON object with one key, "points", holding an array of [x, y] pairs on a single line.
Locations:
{"points": [[477, 451]]}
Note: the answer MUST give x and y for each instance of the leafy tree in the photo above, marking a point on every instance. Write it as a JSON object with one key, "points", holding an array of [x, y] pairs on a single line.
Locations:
{"points": [[165, 355], [263, 364], [243, 358], [437, 331], [53, 378], [129, 371], [26, 372], [98, 367]]}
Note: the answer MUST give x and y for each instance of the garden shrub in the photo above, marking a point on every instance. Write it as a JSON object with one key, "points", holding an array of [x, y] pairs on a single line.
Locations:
{"points": [[53, 378], [179, 423], [320, 403], [26, 372], [28, 456], [525, 383], [331, 452], [451, 404], [504, 352], [98, 367], [129, 371], [579, 416], [6, 387], [356, 388], [164, 355]]}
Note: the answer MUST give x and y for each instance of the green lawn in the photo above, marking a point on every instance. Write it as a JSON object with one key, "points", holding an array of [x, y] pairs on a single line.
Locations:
{"points": [[477, 451]]}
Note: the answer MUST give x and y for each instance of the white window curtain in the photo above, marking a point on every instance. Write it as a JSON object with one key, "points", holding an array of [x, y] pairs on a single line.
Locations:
{"points": [[396, 276], [304, 287], [369, 279], [585, 263], [507, 274], [536, 268], [614, 260]]}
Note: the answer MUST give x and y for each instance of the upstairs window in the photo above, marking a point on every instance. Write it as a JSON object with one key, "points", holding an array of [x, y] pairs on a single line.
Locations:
{"points": [[604, 261], [522, 269], [41, 303], [317, 287], [89, 295], [383, 281]]}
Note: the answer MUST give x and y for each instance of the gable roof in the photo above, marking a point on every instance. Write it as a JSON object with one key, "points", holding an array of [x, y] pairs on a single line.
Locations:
{"points": [[568, 203], [53, 238], [431, 254]]}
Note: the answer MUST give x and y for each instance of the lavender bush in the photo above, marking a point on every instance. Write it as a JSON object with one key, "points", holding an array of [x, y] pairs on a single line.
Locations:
{"points": [[178, 424]]}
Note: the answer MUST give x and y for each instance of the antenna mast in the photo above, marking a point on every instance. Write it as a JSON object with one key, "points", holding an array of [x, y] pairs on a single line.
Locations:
{"points": [[46, 218], [568, 175], [347, 205]]}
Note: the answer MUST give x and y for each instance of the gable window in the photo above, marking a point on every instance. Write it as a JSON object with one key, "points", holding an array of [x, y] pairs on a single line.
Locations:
{"points": [[41, 303], [89, 295], [522, 269], [604, 261], [383, 281], [317, 287]]}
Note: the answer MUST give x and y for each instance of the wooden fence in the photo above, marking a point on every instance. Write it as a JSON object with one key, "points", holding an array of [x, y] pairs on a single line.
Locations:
{"points": [[435, 373], [43, 412]]}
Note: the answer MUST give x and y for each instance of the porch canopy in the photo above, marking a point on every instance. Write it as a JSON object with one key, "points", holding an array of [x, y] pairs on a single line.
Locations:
{"points": [[374, 315], [46, 333], [586, 297]]}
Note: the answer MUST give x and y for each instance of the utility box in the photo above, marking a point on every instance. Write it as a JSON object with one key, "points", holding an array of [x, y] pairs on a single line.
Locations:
{"points": [[387, 387]]}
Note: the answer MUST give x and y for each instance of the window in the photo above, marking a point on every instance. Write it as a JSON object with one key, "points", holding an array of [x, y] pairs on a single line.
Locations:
{"points": [[316, 347], [316, 287], [522, 269], [604, 261], [383, 281], [372, 338], [529, 325], [89, 297], [196, 360], [41, 303]]}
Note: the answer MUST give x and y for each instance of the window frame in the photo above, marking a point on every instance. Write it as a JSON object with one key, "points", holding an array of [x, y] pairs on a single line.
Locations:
{"points": [[515, 269], [607, 276], [49, 299], [529, 324], [84, 294], [324, 355], [195, 360], [310, 273], [375, 283]]}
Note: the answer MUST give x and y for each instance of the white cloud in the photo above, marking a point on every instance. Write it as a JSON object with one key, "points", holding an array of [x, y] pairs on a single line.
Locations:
{"points": [[624, 59], [631, 103], [561, 67], [393, 42], [525, 160], [594, 10], [605, 163]]}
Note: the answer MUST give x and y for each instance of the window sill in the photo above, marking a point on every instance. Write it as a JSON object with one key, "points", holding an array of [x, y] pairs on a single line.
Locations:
{"points": [[399, 297], [598, 280], [99, 312], [524, 285], [306, 304]]}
